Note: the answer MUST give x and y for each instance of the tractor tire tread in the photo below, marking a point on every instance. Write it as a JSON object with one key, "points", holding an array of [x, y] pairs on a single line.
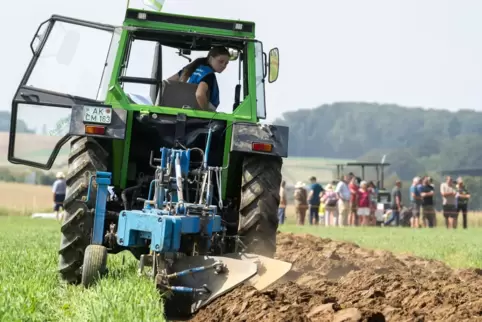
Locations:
{"points": [[87, 158], [258, 220]]}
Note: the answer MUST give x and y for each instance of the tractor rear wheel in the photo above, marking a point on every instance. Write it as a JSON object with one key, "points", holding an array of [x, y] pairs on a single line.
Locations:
{"points": [[258, 220], [86, 157]]}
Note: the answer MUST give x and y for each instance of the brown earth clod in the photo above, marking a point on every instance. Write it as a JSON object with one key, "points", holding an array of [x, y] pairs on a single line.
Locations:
{"points": [[336, 281]]}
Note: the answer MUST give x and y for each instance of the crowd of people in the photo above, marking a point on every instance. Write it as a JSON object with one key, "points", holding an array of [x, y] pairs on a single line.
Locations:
{"points": [[350, 201], [353, 202], [455, 199]]}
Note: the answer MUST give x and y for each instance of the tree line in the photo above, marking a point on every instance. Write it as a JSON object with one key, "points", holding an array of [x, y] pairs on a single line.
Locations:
{"points": [[414, 140], [5, 123]]}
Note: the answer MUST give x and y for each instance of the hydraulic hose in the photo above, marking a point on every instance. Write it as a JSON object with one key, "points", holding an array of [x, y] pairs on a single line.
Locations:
{"points": [[124, 196]]}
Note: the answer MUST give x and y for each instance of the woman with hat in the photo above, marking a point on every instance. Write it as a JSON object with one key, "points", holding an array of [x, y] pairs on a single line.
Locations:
{"points": [[59, 189], [301, 202]]}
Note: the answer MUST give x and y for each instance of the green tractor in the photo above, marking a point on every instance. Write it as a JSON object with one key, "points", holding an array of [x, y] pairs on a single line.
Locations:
{"points": [[141, 148]]}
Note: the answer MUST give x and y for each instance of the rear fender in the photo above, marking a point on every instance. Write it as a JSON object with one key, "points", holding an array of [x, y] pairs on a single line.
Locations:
{"points": [[245, 134]]}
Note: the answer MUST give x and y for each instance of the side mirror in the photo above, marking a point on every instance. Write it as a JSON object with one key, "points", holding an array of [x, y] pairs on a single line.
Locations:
{"points": [[273, 65], [233, 54], [39, 36], [68, 47]]}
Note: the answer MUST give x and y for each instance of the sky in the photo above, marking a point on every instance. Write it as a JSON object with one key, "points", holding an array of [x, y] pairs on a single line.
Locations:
{"points": [[409, 52]]}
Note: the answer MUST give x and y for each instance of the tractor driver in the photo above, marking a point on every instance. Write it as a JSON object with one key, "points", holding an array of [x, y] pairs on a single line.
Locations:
{"points": [[202, 72]]}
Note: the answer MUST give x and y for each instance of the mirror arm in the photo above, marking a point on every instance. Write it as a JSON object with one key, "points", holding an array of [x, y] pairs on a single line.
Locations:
{"points": [[265, 71], [184, 56]]}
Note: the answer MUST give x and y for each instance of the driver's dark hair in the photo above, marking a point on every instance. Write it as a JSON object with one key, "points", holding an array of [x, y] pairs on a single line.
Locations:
{"points": [[192, 66]]}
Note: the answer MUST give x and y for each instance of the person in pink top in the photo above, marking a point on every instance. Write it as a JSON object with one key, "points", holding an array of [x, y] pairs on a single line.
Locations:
{"points": [[363, 204]]}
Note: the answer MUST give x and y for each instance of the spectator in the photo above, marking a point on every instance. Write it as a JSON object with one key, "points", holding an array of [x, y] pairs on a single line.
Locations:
{"points": [[329, 199], [59, 189], [372, 188], [282, 204], [396, 204], [364, 203], [421, 223], [416, 202], [448, 192], [462, 201], [314, 200], [301, 202], [353, 219], [322, 212], [430, 180], [427, 192], [344, 195], [358, 179]]}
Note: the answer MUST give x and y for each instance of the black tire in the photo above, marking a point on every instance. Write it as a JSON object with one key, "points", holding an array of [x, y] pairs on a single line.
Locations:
{"points": [[86, 157], [94, 264], [258, 218]]}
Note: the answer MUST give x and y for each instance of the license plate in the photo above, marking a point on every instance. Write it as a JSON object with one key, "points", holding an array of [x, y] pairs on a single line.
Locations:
{"points": [[96, 114]]}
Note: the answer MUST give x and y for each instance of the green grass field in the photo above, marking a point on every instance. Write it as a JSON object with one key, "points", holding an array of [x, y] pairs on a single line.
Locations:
{"points": [[30, 289], [459, 249]]}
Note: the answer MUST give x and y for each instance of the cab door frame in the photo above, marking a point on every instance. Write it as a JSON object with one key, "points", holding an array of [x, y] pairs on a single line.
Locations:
{"points": [[36, 96]]}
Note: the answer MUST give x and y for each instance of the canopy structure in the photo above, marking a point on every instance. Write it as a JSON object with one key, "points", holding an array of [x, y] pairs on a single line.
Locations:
{"points": [[379, 167]]}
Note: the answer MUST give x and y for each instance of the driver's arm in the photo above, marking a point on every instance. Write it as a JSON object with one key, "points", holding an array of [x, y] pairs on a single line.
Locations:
{"points": [[176, 77], [202, 97]]}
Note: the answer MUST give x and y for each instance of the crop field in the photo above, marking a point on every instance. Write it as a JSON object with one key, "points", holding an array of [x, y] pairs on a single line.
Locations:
{"points": [[32, 147], [301, 169], [459, 248], [30, 288], [23, 199], [401, 274]]}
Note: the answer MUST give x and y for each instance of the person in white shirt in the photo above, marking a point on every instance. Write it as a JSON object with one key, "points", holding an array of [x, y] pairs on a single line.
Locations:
{"points": [[282, 204], [59, 190], [343, 192]]}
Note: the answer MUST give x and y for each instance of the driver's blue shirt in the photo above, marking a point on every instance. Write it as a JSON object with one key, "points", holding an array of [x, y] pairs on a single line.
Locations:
{"points": [[206, 74]]}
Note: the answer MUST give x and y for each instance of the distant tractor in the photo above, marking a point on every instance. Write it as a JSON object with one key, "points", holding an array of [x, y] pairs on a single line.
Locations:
{"points": [[193, 194], [383, 195]]}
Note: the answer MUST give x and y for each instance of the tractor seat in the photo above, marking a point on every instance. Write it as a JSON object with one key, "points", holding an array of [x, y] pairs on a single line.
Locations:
{"points": [[179, 94]]}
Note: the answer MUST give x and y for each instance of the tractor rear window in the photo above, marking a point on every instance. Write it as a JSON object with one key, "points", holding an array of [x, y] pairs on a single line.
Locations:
{"points": [[69, 65], [151, 60]]}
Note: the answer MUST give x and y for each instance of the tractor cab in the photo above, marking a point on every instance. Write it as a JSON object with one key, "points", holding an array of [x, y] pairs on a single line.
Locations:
{"points": [[100, 80]]}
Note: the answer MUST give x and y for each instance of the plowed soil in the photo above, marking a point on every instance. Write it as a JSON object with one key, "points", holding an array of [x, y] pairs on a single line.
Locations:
{"points": [[337, 281]]}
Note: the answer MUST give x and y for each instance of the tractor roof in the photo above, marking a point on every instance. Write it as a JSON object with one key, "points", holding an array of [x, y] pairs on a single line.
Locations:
{"points": [[175, 22]]}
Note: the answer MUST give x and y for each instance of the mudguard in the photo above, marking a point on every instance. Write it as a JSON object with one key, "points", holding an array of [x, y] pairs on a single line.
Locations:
{"points": [[244, 135]]}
